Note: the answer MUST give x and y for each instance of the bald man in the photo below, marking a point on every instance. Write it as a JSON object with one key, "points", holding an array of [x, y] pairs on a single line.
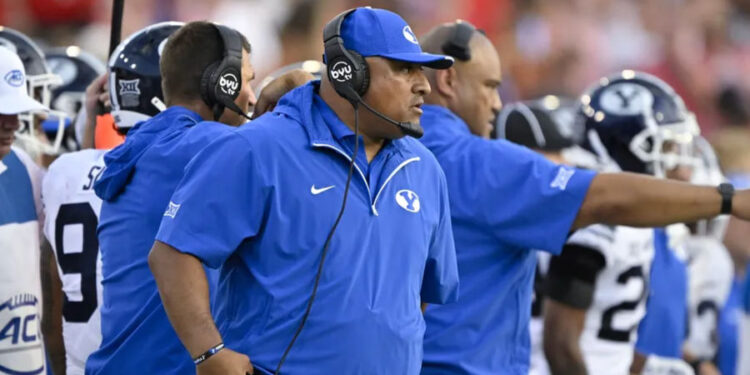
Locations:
{"points": [[506, 199]]}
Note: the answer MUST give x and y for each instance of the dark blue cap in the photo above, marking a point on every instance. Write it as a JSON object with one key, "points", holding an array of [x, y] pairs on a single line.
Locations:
{"points": [[379, 32]]}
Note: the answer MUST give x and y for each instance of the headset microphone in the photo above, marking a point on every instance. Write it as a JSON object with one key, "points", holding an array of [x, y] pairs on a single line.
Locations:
{"points": [[409, 128], [235, 108]]}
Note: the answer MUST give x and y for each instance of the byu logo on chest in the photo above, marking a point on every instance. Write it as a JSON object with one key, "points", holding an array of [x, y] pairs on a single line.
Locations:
{"points": [[408, 200]]}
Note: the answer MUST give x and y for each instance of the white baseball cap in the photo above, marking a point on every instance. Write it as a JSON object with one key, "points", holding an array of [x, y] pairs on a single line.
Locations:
{"points": [[14, 98]]}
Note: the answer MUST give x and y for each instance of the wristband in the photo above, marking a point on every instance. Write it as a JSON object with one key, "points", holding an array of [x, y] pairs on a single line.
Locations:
{"points": [[727, 192], [208, 354]]}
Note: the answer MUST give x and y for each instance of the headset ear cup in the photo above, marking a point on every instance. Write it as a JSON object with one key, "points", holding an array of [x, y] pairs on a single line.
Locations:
{"points": [[208, 84], [361, 79], [365, 78]]}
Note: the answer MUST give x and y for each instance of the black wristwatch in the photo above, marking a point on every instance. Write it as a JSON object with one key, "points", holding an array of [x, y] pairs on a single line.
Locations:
{"points": [[727, 192]]}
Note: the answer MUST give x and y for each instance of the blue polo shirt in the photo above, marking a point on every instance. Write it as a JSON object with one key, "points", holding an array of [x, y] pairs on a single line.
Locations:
{"points": [[505, 200], [260, 203], [139, 178], [663, 329]]}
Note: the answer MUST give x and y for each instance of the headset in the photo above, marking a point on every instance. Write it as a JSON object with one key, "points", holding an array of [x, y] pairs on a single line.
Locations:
{"points": [[349, 73], [458, 45], [221, 81]]}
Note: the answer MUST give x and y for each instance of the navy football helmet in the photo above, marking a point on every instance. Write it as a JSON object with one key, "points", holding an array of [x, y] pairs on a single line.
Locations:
{"points": [[135, 81], [639, 123], [40, 81], [77, 69]]}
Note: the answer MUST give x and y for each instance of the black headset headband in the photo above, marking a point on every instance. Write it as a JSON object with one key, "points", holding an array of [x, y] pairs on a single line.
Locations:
{"points": [[222, 80], [458, 45], [352, 84]]}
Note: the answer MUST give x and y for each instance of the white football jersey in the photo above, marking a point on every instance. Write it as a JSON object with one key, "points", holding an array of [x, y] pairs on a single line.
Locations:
{"points": [[21, 344], [72, 215], [619, 301], [710, 279]]}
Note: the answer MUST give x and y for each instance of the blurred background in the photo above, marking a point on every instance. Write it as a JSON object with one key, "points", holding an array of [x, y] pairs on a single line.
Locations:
{"points": [[700, 47]]}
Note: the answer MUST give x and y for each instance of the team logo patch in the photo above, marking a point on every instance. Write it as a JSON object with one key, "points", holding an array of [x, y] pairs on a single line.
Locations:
{"points": [[563, 177], [229, 84], [409, 35], [172, 210], [341, 71], [14, 78], [626, 99], [130, 93], [408, 200]]}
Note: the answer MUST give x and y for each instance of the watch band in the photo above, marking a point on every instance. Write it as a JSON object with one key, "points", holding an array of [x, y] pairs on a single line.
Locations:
{"points": [[727, 192]]}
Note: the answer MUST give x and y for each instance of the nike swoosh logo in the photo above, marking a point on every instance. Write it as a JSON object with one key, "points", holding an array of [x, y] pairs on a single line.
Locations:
{"points": [[315, 191]]}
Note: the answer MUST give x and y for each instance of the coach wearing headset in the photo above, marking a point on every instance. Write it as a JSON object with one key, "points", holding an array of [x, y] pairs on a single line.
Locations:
{"points": [[506, 199], [261, 202], [141, 175]]}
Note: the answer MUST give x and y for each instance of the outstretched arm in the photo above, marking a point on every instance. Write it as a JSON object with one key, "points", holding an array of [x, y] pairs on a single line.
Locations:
{"points": [[643, 201]]}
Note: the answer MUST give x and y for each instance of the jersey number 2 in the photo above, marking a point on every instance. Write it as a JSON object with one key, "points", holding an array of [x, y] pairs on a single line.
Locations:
{"points": [[607, 332], [82, 263]]}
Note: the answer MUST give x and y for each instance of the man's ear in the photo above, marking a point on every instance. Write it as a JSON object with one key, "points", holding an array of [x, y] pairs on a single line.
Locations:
{"points": [[445, 82]]}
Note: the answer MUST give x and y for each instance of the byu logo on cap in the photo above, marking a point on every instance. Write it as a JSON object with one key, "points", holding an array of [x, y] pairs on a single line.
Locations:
{"points": [[341, 71], [409, 35], [408, 200], [229, 84], [14, 78]]}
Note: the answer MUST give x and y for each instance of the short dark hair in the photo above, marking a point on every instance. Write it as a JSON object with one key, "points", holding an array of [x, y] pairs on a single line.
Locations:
{"points": [[188, 52]]}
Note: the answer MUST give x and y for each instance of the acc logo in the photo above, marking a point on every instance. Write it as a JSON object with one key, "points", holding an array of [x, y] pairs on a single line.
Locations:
{"points": [[408, 200], [626, 99], [409, 35], [341, 71], [14, 78], [19, 335], [229, 84]]}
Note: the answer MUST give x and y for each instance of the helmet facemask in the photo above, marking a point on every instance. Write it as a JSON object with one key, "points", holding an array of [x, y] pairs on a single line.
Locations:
{"points": [[665, 147]]}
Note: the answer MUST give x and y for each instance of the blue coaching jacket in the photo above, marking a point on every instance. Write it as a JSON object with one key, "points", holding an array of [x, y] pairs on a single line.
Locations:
{"points": [[139, 178], [505, 200], [261, 201]]}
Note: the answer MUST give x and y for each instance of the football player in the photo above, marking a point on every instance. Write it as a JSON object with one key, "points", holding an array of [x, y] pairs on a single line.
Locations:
{"points": [[21, 350], [597, 286]]}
